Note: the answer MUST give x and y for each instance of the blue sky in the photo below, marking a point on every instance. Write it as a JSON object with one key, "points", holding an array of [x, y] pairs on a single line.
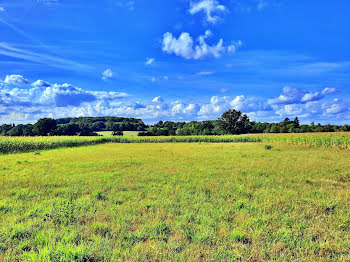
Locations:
{"points": [[175, 60]]}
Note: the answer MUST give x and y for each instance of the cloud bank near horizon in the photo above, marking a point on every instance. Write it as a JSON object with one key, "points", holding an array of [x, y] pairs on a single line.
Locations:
{"points": [[24, 101]]}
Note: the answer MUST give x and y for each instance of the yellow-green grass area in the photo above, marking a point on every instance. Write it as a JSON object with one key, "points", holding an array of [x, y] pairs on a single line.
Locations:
{"points": [[130, 133], [105, 133], [21, 144], [176, 202]]}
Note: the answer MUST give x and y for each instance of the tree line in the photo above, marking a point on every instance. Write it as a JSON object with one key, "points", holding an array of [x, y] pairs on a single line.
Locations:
{"points": [[80, 126], [231, 122], [235, 122]]}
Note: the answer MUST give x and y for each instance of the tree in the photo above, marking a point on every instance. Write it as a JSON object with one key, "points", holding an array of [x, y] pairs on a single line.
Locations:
{"points": [[286, 122], [234, 122], [296, 122], [44, 127], [117, 133]]}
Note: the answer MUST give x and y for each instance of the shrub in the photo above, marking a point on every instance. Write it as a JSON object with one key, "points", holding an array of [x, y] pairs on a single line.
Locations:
{"points": [[117, 133]]}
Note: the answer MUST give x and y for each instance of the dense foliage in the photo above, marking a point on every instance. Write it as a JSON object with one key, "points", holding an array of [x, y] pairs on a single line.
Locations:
{"points": [[81, 126], [220, 127], [231, 122], [107, 123], [234, 122]]}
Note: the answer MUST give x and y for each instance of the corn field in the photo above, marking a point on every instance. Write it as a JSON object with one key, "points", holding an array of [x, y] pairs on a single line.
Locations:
{"points": [[25, 144], [341, 140]]}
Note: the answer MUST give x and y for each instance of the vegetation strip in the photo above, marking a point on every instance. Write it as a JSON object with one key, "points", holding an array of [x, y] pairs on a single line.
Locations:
{"points": [[176, 202], [25, 144]]}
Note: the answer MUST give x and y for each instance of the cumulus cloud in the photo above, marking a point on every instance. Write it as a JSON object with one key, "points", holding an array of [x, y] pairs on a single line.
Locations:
{"points": [[108, 73], [336, 107], [328, 90], [291, 110], [158, 99], [318, 95], [291, 95], [16, 80], [41, 83], [210, 8], [219, 104], [150, 61], [185, 46], [44, 94], [42, 99]]}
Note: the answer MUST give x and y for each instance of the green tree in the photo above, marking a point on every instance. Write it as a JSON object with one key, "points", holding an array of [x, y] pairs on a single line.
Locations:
{"points": [[296, 122], [44, 127], [234, 122]]}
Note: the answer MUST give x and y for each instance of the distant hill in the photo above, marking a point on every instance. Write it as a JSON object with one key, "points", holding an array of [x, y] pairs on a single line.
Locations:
{"points": [[106, 123]]}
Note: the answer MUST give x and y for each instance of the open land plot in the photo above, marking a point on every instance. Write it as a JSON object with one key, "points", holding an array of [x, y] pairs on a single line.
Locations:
{"points": [[176, 201]]}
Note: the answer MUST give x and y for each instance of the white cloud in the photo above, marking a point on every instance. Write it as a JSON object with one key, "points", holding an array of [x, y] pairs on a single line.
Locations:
{"points": [[291, 110], [108, 73], [185, 46], [318, 95], [42, 99], [52, 61], [41, 83], [219, 104], [43, 94], [160, 78], [16, 80], [336, 108], [328, 90], [150, 61], [291, 95], [204, 73], [158, 99], [210, 8], [2, 9]]}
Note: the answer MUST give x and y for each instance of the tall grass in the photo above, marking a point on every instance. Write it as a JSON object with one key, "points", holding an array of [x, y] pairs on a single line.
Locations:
{"points": [[21, 144], [341, 140]]}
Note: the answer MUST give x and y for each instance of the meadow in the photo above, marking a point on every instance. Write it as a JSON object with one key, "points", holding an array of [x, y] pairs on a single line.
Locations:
{"points": [[22, 144], [178, 201]]}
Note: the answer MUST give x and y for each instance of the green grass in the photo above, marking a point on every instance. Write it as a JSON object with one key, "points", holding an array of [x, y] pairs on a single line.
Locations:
{"points": [[131, 133], [105, 133], [182, 202], [22, 144]]}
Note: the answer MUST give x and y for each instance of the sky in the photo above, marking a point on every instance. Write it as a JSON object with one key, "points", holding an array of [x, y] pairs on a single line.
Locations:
{"points": [[178, 60]]}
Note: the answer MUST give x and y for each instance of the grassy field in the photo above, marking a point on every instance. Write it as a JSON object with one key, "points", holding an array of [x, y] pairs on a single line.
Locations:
{"points": [[22, 144], [176, 201]]}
